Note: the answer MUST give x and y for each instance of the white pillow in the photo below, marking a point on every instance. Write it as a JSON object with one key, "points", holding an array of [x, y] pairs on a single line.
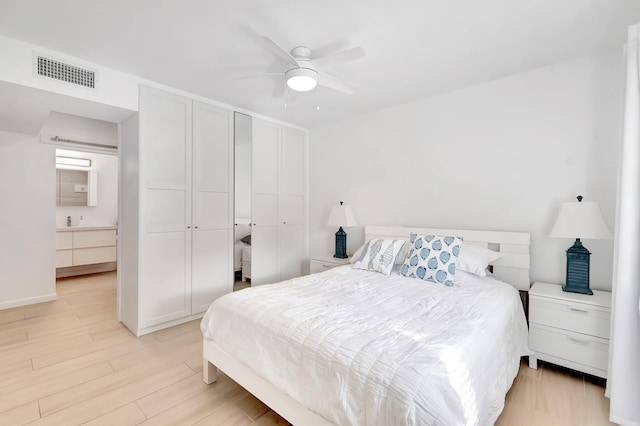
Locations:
{"points": [[358, 253], [379, 255], [399, 258], [475, 259]]}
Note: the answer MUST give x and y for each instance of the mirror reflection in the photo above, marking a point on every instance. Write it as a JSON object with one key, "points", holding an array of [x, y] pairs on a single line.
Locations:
{"points": [[242, 229], [76, 187]]}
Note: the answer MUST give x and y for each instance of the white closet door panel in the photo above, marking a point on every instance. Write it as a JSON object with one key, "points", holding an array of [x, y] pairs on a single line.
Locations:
{"points": [[166, 211], [293, 253], [165, 132], [293, 161], [212, 135], [265, 157], [265, 257], [211, 210], [163, 270], [210, 268], [264, 209], [292, 209]]}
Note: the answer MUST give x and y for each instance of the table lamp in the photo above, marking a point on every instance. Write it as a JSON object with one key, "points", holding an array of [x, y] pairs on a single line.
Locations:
{"points": [[340, 216], [579, 220]]}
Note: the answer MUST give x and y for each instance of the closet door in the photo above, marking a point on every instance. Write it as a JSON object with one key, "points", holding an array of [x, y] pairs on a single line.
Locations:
{"points": [[165, 207], [265, 247], [212, 209], [292, 202]]}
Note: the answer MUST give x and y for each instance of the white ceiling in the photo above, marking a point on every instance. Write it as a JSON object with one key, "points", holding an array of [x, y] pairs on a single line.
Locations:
{"points": [[415, 48]]}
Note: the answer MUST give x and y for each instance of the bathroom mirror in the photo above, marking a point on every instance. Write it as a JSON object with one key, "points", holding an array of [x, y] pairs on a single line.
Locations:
{"points": [[76, 187]]}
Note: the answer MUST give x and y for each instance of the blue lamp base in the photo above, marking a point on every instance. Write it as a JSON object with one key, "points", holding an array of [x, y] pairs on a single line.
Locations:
{"points": [[578, 259], [341, 244]]}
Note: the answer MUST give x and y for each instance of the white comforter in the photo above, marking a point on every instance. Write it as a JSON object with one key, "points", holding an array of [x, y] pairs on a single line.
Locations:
{"points": [[361, 348]]}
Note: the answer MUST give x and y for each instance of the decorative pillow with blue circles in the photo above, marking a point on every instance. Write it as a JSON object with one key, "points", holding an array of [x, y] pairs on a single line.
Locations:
{"points": [[432, 258]]}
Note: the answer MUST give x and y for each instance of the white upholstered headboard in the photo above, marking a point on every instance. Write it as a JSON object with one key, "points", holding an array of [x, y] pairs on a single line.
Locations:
{"points": [[512, 266]]}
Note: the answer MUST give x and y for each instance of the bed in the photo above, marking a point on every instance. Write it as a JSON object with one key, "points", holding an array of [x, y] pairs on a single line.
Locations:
{"points": [[353, 346]]}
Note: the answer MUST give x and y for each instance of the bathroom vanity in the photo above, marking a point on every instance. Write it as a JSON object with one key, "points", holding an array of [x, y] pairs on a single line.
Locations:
{"points": [[85, 250]]}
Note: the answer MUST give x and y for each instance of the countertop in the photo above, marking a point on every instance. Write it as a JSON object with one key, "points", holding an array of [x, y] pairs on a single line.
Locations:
{"points": [[86, 228]]}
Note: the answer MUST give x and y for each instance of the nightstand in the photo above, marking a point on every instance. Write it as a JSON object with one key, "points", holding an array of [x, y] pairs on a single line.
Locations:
{"points": [[569, 329], [324, 263]]}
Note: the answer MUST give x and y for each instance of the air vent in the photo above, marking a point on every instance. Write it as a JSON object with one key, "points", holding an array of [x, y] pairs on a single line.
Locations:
{"points": [[64, 72]]}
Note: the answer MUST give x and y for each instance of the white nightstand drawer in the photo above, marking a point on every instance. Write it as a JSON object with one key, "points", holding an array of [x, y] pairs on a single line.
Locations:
{"points": [[324, 263], [315, 266], [574, 347], [566, 315]]}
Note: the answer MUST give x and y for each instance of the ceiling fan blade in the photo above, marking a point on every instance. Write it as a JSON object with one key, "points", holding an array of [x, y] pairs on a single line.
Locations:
{"points": [[279, 90], [339, 58], [280, 51], [258, 75], [291, 96], [327, 80]]}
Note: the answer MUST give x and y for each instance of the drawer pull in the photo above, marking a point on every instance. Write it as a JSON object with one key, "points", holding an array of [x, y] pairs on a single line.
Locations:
{"points": [[582, 311], [326, 266], [578, 341]]}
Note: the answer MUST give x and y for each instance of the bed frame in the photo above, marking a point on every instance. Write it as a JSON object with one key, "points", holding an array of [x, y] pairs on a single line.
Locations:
{"points": [[512, 267]]}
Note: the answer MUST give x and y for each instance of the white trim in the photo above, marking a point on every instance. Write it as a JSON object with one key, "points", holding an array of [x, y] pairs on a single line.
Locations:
{"points": [[262, 389], [622, 421], [512, 267], [28, 301], [146, 330]]}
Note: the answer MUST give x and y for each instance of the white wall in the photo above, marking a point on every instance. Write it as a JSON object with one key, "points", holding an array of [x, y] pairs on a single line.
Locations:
{"points": [[501, 155], [106, 212], [82, 129], [27, 223], [113, 87]]}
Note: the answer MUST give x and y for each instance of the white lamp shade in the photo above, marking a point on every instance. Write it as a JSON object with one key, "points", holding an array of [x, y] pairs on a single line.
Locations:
{"points": [[342, 215], [580, 220]]}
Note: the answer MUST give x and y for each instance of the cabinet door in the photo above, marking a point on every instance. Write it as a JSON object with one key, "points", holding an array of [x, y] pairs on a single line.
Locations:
{"points": [[293, 256], [265, 257], [212, 209], [292, 202], [165, 207]]}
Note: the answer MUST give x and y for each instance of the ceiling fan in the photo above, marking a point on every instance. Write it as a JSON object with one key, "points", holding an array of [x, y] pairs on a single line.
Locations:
{"points": [[302, 73]]}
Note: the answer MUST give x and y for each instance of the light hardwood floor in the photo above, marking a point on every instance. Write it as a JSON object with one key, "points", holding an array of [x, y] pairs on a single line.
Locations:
{"points": [[70, 362]]}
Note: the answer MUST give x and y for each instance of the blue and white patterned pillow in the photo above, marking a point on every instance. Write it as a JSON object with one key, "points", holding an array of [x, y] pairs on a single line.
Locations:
{"points": [[432, 258], [378, 255]]}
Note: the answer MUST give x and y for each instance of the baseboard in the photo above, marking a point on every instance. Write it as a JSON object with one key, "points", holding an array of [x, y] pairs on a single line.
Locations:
{"points": [[72, 271], [146, 330], [28, 301]]}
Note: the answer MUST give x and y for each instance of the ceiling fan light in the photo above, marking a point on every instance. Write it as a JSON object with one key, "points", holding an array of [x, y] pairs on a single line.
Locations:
{"points": [[302, 79]]}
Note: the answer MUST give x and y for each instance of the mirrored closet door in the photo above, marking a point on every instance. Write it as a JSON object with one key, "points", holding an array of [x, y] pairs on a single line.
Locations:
{"points": [[242, 233]]}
